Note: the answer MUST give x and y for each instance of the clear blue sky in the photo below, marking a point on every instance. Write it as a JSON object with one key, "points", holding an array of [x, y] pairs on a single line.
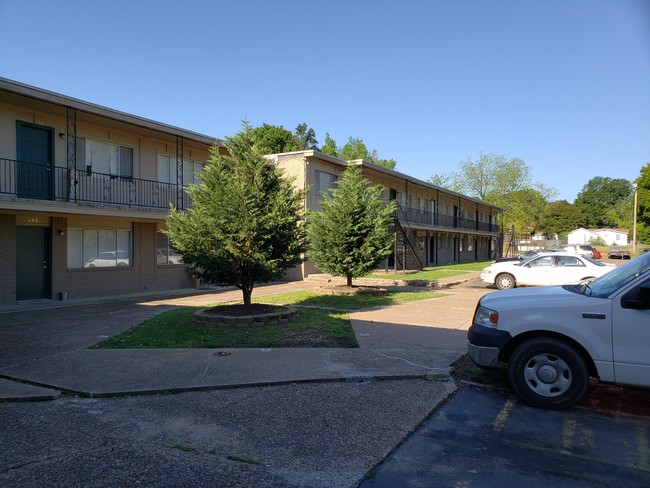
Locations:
{"points": [[562, 84]]}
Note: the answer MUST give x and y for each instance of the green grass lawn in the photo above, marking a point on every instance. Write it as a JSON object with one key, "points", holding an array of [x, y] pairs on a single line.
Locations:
{"points": [[434, 273], [314, 328], [315, 299]]}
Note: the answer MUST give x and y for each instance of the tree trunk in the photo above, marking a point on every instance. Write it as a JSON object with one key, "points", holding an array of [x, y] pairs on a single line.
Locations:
{"points": [[247, 292], [349, 280]]}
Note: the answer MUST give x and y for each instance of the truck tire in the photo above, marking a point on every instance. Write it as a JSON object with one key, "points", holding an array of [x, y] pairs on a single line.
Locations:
{"points": [[548, 373], [505, 281]]}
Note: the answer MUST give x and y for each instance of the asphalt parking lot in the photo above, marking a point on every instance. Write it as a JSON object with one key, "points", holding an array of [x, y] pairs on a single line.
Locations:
{"points": [[310, 433], [489, 439]]}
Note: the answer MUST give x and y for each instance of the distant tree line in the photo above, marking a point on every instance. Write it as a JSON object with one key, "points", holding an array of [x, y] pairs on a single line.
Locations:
{"points": [[531, 207]]}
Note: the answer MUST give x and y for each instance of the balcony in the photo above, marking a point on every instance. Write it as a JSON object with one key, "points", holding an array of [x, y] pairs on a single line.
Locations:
{"points": [[415, 216], [44, 182]]}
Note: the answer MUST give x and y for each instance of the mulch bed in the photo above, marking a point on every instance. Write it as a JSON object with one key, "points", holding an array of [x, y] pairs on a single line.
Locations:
{"points": [[239, 310]]}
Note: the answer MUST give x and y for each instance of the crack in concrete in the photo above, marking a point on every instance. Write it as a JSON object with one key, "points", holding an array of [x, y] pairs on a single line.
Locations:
{"points": [[402, 359]]}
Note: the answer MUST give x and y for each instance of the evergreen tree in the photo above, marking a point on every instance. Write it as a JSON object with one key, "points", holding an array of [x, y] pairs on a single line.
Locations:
{"points": [[349, 235], [244, 226]]}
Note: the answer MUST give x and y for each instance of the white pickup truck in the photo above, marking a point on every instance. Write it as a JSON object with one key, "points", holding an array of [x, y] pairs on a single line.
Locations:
{"points": [[555, 337]]}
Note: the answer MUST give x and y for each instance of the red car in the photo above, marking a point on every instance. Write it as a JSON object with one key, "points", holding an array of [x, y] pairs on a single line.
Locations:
{"points": [[597, 254]]}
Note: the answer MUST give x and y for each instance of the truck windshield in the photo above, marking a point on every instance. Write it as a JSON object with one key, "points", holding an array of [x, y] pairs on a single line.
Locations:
{"points": [[607, 284]]}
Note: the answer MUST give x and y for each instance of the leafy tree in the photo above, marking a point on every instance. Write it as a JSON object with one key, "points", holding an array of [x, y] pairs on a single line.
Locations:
{"points": [[643, 195], [599, 196], [244, 226], [350, 235], [643, 204], [597, 241], [506, 183], [329, 147], [355, 148], [443, 180], [273, 139], [305, 138], [560, 218], [386, 163], [525, 208]]}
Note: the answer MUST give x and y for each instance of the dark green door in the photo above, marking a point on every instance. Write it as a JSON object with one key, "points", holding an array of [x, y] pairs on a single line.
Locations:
{"points": [[31, 263], [34, 154]]}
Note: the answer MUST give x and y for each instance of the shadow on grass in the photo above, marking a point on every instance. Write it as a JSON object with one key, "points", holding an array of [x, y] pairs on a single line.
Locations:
{"points": [[310, 298], [175, 329], [326, 326]]}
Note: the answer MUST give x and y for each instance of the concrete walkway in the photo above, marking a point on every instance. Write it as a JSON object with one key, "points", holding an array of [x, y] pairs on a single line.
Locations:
{"points": [[44, 346]]}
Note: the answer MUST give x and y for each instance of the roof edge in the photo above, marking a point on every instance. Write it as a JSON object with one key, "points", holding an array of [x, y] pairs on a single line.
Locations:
{"points": [[95, 109]]}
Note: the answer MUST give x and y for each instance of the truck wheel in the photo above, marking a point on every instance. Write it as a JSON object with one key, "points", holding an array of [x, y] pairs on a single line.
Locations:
{"points": [[548, 373], [505, 281]]}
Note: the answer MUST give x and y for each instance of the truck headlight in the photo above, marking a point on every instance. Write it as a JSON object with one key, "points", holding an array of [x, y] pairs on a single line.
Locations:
{"points": [[485, 316]]}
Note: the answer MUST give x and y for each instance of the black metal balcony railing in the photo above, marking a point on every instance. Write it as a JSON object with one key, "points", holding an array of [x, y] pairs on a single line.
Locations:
{"points": [[436, 219], [44, 182]]}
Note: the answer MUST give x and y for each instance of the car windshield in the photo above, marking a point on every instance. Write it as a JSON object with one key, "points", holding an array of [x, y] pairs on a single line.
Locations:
{"points": [[607, 284]]}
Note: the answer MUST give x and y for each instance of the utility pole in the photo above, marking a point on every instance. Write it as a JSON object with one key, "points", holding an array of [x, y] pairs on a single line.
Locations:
{"points": [[635, 186]]}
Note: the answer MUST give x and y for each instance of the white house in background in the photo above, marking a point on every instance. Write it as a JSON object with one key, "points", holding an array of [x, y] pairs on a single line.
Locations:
{"points": [[612, 237]]}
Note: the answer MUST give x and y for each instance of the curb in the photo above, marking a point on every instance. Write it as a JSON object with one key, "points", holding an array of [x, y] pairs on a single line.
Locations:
{"points": [[58, 391]]}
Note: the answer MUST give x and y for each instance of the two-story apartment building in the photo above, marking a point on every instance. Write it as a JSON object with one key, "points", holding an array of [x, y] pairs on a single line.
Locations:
{"points": [[85, 192], [433, 226]]}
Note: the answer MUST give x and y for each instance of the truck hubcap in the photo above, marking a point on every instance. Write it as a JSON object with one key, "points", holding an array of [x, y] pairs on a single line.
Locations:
{"points": [[547, 375]]}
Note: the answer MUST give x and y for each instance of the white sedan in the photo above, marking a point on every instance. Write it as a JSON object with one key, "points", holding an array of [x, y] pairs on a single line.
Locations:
{"points": [[556, 268]]}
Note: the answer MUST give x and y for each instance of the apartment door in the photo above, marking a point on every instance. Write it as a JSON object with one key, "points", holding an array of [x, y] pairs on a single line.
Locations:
{"points": [[34, 153], [432, 249], [32, 263]]}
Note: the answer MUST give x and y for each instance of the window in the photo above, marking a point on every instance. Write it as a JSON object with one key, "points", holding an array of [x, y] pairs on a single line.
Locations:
{"points": [[325, 182], [569, 261], [167, 170], [99, 248], [165, 253], [542, 262], [191, 172], [104, 157], [422, 204]]}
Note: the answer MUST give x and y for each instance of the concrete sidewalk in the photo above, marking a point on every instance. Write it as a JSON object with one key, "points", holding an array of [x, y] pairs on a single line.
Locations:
{"points": [[43, 350]]}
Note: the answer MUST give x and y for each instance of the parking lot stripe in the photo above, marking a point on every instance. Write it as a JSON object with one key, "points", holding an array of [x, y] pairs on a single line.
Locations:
{"points": [[568, 433], [502, 416], [642, 446]]}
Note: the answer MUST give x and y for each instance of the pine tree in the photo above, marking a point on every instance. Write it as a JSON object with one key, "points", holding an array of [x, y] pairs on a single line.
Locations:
{"points": [[245, 225], [350, 235]]}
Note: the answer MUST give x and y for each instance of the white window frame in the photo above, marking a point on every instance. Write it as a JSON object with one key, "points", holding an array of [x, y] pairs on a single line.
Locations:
{"points": [[165, 252], [90, 154], [166, 170], [97, 247], [325, 182]]}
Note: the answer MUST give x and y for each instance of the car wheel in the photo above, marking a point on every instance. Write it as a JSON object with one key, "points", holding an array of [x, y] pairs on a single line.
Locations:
{"points": [[505, 281], [548, 373]]}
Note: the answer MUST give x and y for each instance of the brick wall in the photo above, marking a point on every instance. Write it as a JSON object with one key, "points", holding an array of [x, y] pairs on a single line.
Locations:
{"points": [[143, 276], [8, 259]]}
